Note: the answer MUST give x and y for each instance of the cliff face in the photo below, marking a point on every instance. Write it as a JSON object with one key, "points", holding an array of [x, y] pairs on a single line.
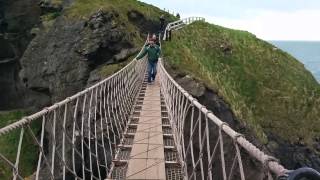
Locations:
{"points": [[72, 42], [57, 63], [17, 18]]}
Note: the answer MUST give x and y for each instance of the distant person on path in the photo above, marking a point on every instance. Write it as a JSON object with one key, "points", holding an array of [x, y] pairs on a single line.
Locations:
{"points": [[153, 51], [162, 23], [178, 16]]}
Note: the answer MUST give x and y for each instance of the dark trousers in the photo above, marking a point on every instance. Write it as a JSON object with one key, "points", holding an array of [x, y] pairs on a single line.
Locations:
{"points": [[152, 70]]}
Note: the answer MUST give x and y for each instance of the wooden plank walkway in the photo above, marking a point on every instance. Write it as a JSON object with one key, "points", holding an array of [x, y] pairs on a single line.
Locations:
{"points": [[147, 159]]}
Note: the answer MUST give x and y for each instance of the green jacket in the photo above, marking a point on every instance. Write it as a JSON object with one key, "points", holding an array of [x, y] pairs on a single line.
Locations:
{"points": [[153, 53]]}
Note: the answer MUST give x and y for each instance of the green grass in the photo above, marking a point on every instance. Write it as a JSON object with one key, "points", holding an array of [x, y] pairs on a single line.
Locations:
{"points": [[50, 16], [83, 9], [9, 144], [57, 2], [267, 89]]}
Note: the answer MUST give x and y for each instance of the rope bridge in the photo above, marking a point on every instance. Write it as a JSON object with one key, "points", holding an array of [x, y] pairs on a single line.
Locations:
{"points": [[98, 134]]}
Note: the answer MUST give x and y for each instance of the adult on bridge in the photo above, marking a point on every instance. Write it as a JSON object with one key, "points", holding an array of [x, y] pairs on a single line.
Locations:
{"points": [[153, 51]]}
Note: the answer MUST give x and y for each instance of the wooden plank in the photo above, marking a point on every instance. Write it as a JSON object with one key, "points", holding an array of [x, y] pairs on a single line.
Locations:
{"points": [[147, 155]]}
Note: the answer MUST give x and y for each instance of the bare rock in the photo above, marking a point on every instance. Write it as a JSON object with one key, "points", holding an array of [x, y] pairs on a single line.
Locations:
{"points": [[226, 48], [195, 88], [124, 54]]}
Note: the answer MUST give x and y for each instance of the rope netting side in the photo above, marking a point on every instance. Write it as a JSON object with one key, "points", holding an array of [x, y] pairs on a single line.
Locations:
{"points": [[77, 138], [208, 148]]}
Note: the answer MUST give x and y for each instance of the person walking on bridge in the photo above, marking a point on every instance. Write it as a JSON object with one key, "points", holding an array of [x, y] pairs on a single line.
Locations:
{"points": [[162, 23], [153, 51]]}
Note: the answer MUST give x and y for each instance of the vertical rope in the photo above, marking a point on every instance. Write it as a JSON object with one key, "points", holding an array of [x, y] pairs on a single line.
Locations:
{"points": [[95, 132], [53, 141], [82, 137], [208, 147], [41, 147], [74, 135], [102, 128], [89, 134], [16, 166], [64, 141]]}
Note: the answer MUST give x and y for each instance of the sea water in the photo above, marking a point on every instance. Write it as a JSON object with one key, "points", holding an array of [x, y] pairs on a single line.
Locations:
{"points": [[308, 52]]}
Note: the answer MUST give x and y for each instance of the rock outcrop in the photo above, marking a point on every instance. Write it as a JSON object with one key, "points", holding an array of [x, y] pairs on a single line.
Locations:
{"points": [[17, 17], [58, 63]]}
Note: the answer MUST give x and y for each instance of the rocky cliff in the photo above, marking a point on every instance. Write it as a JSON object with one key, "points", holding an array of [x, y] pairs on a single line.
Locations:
{"points": [[52, 49], [17, 18]]}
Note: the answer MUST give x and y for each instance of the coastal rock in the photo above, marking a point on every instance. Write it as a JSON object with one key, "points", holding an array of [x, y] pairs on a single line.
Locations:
{"points": [[17, 17], [58, 63], [195, 88]]}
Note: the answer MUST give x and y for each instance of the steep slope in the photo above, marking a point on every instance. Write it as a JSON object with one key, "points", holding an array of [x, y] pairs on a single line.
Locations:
{"points": [[269, 92]]}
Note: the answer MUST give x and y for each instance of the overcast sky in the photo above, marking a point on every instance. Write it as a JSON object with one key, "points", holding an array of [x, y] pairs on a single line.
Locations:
{"points": [[268, 19]]}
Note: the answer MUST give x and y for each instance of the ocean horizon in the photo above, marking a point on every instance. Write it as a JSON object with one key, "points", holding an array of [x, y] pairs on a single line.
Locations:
{"points": [[307, 52]]}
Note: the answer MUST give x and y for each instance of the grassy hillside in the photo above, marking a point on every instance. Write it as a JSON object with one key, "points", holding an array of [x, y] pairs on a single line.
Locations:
{"points": [[268, 90], [83, 9]]}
